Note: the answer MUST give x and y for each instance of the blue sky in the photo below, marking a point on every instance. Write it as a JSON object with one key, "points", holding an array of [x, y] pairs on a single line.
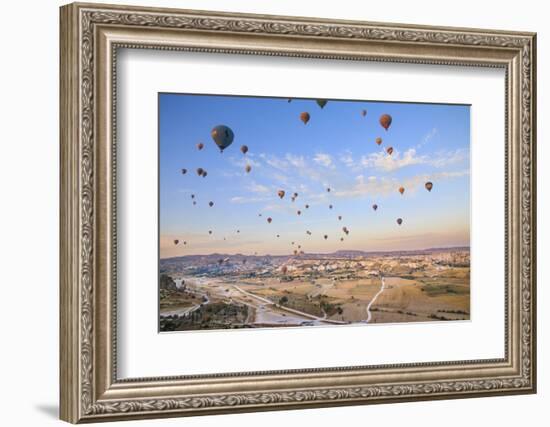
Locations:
{"points": [[335, 149]]}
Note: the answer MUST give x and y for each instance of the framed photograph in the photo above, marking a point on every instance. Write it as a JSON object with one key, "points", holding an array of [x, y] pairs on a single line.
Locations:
{"points": [[265, 212]]}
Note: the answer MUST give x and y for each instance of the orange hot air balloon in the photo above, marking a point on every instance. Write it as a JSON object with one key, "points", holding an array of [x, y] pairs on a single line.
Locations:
{"points": [[269, 220], [248, 168], [176, 241], [429, 186], [281, 194], [375, 206], [363, 113], [183, 171], [389, 150], [385, 121], [299, 212], [401, 190], [200, 171], [200, 146], [399, 221], [210, 204], [304, 117], [378, 141], [244, 149]]}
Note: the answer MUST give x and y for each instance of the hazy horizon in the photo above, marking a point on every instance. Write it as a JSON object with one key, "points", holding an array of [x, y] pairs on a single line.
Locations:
{"points": [[336, 150]]}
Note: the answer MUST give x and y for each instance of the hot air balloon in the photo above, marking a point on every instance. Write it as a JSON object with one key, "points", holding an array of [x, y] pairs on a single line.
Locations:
{"points": [[176, 241], [281, 194], [295, 195], [209, 231], [308, 232], [428, 186], [184, 243], [389, 150], [325, 236], [194, 203], [295, 252], [385, 121], [238, 231], [244, 149], [248, 168], [200, 146], [307, 206], [330, 206], [378, 141], [293, 198], [375, 206], [399, 221], [200, 171], [259, 214], [192, 196], [321, 103], [269, 220], [289, 100], [341, 239], [299, 246], [291, 243], [204, 173], [304, 117], [339, 217], [299, 212], [278, 236], [210, 204], [363, 113], [401, 190], [222, 136], [328, 190], [183, 171]]}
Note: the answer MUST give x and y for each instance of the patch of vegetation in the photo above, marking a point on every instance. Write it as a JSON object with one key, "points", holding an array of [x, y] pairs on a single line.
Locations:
{"points": [[434, 290]]}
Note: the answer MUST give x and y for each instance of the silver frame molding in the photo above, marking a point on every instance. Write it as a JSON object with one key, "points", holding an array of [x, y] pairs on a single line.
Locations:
{"points": [[90, 37]]}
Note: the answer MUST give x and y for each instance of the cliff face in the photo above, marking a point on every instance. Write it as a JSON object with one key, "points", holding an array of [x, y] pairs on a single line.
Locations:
{"points": [[166, 282]]}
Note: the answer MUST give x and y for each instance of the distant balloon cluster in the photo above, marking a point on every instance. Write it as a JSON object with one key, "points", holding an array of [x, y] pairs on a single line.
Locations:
{"points": [[223, 136]]}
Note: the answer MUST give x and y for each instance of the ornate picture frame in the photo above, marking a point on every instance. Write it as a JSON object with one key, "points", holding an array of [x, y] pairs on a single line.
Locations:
{"points": [[90, 37]]}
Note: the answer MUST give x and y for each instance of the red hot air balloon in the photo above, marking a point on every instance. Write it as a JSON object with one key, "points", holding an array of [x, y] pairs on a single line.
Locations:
{"points": [[378, 141], [304, 117], [200, 146], [401, 190], [399, 221], [385, 121], [389, 150], [244, 149], [375, 206], [269, 220], [428, 186]]}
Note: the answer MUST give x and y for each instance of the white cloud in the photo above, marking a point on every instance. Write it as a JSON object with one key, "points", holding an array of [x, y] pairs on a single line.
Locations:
{"points": [[429, 136], [324, 160], [258, 188], [385, 162], [296, 161]]}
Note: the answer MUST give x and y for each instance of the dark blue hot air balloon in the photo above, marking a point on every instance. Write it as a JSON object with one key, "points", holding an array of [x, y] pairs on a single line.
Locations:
{"points": [[222, 136]]}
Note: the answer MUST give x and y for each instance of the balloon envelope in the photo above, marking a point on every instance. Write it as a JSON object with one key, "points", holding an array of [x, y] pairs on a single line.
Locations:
{"points": [[363, 113], [385, 121], [389, 150], [399, 221], [401, 190], [304, 117], [378, 141], [248, 168], [429, 186], [200, 171], [321, 103], [244, 149], [200, 145], [176, 242], [281, 194], [183, 171], [222, 136], [375, 206]]}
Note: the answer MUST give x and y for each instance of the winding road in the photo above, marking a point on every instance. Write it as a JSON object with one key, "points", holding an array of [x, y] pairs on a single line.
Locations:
{"points": [[369, 314]]}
